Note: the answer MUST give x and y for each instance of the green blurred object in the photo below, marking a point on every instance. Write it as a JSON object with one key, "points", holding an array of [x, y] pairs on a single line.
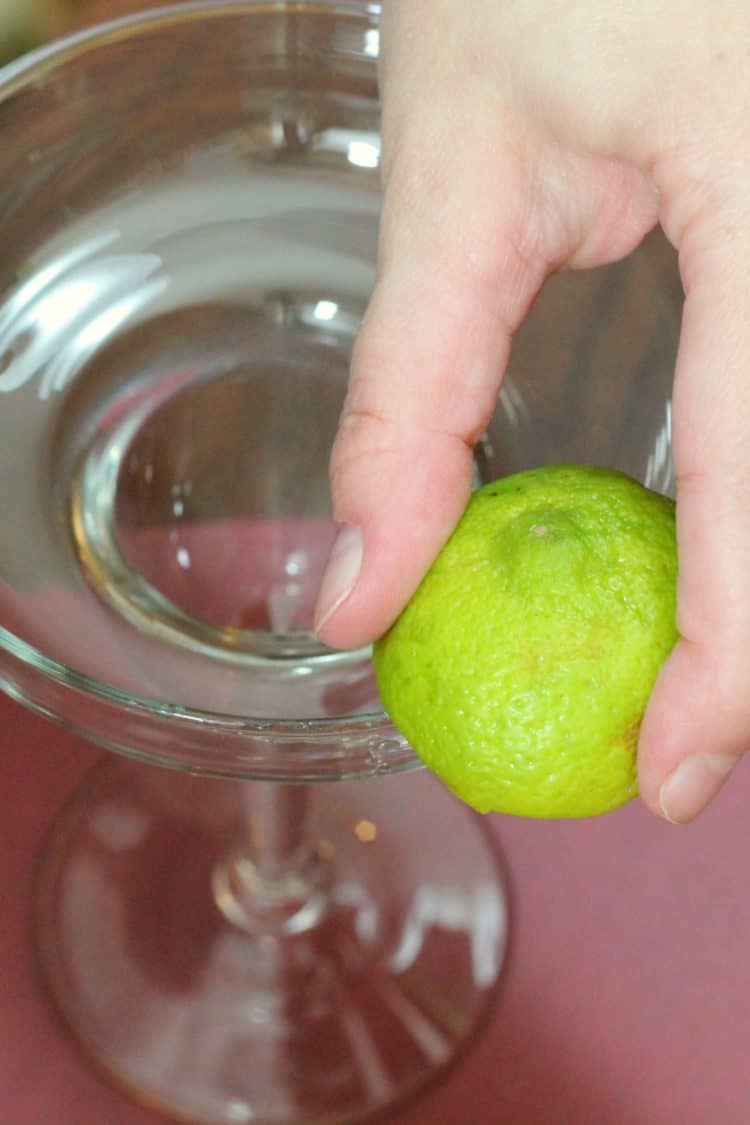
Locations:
{"points": [[27, 23]]}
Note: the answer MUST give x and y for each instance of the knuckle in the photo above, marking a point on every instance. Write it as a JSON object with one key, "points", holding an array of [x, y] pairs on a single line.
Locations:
{"points": [[365, 436]]}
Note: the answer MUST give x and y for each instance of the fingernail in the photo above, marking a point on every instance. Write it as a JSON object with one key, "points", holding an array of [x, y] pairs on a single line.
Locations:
{"points": [[340, 575], [693, 784]]}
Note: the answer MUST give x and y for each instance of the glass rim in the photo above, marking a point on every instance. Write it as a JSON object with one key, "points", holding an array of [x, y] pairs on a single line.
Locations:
{"points": [[14, 76], [79, 682]]}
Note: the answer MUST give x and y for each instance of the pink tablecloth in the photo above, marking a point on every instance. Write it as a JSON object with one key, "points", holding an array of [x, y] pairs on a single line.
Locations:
{"points": [[627, 1000]]}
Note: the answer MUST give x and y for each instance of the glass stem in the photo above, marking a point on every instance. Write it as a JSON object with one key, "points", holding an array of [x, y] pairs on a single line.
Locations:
{"points": [[277, 821], [275, 881]]}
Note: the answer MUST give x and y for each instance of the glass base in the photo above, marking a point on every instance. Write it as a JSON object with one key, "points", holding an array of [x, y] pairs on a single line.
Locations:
{"points": [[358, 998]]}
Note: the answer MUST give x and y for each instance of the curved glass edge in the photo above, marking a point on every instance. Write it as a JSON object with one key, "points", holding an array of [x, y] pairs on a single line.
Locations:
{"points": [[19, 71], [296, 750], [16, 653]]}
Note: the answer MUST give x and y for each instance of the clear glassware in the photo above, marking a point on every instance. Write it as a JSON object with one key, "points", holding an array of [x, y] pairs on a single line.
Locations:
{"points": [[290, 923]]}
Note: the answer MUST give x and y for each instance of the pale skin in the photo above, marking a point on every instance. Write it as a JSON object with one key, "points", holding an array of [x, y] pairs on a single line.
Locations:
{"points": [[522, 137]]}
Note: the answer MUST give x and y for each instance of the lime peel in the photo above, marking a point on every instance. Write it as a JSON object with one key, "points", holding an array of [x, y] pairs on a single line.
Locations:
{"points": [[521, 668]]}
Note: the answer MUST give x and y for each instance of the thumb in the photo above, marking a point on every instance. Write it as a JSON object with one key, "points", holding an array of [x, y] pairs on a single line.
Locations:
{"points": [[452, 287]]}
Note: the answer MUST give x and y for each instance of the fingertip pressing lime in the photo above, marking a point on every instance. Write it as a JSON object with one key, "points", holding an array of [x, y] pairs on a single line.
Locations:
{"points": [[521, 668]]}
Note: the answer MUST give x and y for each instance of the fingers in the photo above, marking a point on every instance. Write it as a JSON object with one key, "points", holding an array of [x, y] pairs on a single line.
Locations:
{"points": [[453, 285], [477, 209], [698, 721], [425, 377], [468, 237]]}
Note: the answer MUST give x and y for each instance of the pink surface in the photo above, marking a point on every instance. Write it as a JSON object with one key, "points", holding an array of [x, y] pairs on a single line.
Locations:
{"points": [[627, 999]]}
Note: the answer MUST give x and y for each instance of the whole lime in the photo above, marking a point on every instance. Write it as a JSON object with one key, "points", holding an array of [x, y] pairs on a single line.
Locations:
{"points": [[521, 668]]}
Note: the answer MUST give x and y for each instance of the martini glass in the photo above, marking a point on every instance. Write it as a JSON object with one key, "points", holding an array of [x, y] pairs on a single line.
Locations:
{"points": [[290, 923]]}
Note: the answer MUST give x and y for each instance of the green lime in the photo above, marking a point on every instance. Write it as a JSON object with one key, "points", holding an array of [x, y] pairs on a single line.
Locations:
{"points": [[521, 668]]}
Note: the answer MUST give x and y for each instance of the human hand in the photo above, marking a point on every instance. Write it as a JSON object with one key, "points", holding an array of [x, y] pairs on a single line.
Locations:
{"points": [[520, 138]]}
